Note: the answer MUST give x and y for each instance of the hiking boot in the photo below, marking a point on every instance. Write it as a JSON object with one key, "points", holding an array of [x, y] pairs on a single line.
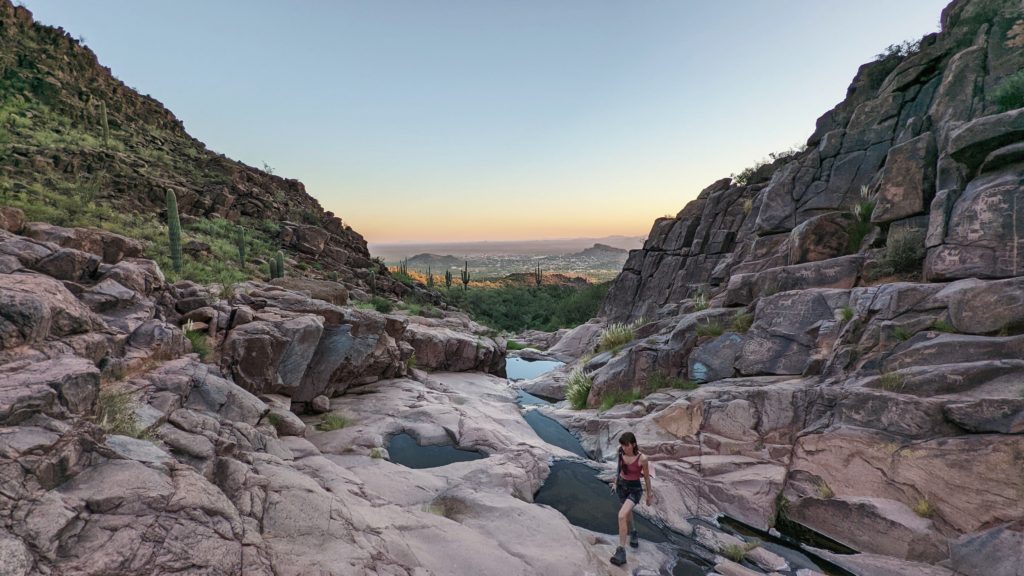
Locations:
{"points": [[634, 541], [620, 556]]}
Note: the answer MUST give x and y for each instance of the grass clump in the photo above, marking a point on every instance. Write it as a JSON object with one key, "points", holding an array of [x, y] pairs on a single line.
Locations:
{"points": [[891, 382], [1009, 94], [659, 380], [904, 251], [513, 345], [577, 388], [901, 334], [620, 397], [200, 343], [861, 225], [332, 422], [115, 413], [410, 363], [742, 321], [382, 305], [943, 326], [847, 313], [824, 490], [738, 552], [710, 329], [617, 335], [700, 302], [924, 508], [376, 453]]}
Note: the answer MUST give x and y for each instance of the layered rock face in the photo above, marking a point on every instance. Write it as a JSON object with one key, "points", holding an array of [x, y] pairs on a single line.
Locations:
{"points": [[876, 400], [122, 453]]}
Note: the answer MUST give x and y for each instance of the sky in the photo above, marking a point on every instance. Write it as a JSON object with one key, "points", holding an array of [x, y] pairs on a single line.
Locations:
{"points": [[451, 120]]}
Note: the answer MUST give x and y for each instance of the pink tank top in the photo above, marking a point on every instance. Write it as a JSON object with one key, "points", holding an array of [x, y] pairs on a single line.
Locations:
{"points": [[630, 471]]}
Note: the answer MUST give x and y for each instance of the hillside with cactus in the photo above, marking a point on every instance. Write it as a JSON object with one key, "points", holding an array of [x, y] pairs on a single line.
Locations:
{"points": [[80, 148]]}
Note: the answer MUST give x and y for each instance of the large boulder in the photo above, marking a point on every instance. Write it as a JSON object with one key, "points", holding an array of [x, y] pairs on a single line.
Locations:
{"points": [[108, 245], [272, 353], [27, 388], [11, 219], [439, 348], [331, 292], [785, 332], [35, 307], [906, 180]]}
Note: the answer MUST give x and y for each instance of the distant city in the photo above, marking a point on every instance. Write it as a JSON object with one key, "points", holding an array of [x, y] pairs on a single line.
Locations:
{"points": [[596, 259]]}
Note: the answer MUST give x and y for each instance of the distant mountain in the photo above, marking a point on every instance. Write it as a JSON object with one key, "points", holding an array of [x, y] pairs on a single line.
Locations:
{"points": [[435, 261], [552, 247], [603, 251]]}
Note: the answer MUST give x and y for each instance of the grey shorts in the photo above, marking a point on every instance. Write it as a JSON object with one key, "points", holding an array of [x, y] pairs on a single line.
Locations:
{"points": [[629, 490]]}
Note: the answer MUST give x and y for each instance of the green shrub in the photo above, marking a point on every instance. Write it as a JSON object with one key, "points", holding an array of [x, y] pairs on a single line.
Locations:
{"points": [[516, 308], [376, 453], [577, 388], [904, 251], [200, 343], [824, 490], [382, 305], [659, 380], [513, 345], [943, 326], [847, 313], [410, 363], [1009, 94], [734, 552], [617, 335], [901, 334], [742, 321], [710, 329], [115, 413], [332, 422], [861, 225]]}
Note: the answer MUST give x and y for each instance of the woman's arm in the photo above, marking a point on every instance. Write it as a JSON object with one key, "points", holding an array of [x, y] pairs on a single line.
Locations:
{"points": [[647, 477]]}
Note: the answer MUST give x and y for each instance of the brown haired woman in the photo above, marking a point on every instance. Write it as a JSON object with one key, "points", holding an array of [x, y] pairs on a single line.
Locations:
{"points": [[632, 464]]}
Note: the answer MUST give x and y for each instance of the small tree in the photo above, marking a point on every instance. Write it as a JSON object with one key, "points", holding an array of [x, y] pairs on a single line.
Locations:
{"points": [[174, 230], [465, 276]]}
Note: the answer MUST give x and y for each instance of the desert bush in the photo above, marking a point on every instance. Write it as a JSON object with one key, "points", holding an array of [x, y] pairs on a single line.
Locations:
{"points": [[577, 388], [200, 343], [742, 321], [332, 422], [1009, 94], [904, 251], [115, 413], [617, 335], [710, 329]]}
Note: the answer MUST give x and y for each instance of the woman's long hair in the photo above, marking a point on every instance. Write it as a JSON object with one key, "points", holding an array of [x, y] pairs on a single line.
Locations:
{"points": [[628, 438]]}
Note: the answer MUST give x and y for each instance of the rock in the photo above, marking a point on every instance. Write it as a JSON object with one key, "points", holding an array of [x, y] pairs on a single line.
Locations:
{"points": [[1003, 415], [11, 219], [835, 273], [331, 292], [785, 331], [972, 142], [135, 449], [271, 356], [998, 551], [715, 360], [111, 247], [68, 264], [15, 559], [285, 422], [186, 305], [820, 238], [320, 404], [34, 307], [972, 301], [577, 342], [306, 239], [445, 349], [140, 275], [906, 180]]}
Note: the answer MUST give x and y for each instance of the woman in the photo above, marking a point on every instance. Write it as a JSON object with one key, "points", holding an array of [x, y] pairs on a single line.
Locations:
{"points": [[632, 464]]}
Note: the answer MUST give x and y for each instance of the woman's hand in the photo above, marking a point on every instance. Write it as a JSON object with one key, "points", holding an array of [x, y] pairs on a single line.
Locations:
{"points": [[613, 487], [648, 497]]}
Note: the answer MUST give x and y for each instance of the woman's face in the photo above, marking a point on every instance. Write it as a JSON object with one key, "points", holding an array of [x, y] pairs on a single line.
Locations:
{"points": [[627, 449]]}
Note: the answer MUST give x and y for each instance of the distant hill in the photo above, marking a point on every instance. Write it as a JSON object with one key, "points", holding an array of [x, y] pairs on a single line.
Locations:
{"points": [[553, 247], [435, 261], [528, 279], [603, 251]]}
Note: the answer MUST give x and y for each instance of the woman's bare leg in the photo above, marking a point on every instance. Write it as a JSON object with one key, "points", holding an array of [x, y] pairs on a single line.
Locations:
{"points": [[625, 517]]}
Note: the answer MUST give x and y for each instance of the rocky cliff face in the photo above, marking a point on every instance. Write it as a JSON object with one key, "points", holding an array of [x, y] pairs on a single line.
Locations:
{"points": [[70, 123], [852, 314]]}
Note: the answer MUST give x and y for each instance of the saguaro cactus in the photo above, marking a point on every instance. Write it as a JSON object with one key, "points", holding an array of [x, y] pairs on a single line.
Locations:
{"points": [[465, 276], [538, 276], [448, 279], [373, 282], [430, 278], [174, 230], [106, 126], [240, 243], [279, 263]]}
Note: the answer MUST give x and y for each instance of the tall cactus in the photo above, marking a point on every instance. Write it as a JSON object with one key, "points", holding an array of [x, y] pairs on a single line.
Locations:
{"points": [[174, 230], [373, 282], [240, 243], [465, 276], [448, 279], [538, 276], [272, 268], [279, 263], [430, 278]]}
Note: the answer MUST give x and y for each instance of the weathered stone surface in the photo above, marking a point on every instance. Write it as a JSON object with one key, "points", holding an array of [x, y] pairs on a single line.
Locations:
{"points": [[716, 359], [111, 247], [577, 342], [907, 180], [320, 404], [272, 355], [972, 302], [972, 142], [1004, 415], [835, 273], [820, 238], [331, 292], [998, 551], [34, 307], [11, 219], [445, 349], [785, 331]]}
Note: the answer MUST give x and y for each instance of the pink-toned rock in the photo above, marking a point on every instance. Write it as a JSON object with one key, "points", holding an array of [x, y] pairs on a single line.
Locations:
{"points": [[35, 307], [108, 245], [11, 219]]}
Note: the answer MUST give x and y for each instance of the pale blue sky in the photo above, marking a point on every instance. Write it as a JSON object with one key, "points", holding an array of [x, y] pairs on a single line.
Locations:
{"points": [[485, 119]]}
